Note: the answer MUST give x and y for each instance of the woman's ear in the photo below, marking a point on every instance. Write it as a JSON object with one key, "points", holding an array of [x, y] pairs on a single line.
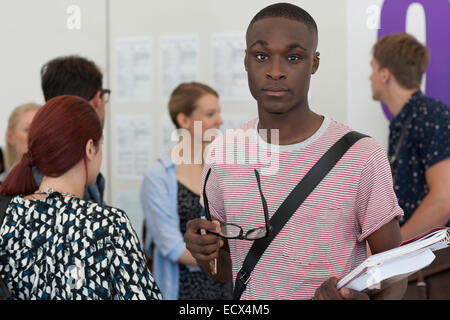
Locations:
{"points": [[183, 120], [91, 149]]}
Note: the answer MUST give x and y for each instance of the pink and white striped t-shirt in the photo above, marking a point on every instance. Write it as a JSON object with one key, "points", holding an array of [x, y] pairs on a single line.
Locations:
{"points": [[325, 236]]}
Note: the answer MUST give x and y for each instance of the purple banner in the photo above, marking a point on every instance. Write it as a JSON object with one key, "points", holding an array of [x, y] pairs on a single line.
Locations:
{"points": [[437, 16]]}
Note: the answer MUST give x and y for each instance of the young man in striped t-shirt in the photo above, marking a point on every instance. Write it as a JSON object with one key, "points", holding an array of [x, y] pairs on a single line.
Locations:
{"points": [[326, 237]]}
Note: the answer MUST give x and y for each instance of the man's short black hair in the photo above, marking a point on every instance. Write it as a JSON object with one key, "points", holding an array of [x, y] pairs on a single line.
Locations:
{"points": [[288, 11], [71, 75]]}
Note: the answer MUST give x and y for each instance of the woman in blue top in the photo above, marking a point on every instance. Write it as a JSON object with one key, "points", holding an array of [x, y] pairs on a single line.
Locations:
{"points": [[170, 196]]}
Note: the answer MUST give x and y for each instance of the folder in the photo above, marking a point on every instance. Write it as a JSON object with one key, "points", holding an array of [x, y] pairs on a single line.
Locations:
{"points": [[382, 269]]}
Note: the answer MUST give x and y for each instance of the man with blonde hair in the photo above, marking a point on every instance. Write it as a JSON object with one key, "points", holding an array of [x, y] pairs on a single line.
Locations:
{"points": [[419, 142]]}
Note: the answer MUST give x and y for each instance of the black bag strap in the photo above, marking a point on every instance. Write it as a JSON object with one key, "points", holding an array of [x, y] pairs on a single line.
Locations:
{"points": [[291, 204], [393, 158], [4, 202]]}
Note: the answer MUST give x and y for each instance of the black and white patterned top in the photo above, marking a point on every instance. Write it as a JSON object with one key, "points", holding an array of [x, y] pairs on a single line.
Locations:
{"points": [[68, 248]]}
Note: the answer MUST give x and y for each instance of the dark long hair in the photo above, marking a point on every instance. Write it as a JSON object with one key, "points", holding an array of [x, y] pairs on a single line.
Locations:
{"points": [[56, 142]]}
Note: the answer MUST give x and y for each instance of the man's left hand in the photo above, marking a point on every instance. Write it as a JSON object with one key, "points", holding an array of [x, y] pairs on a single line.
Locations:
{"points": [[328, 291]]}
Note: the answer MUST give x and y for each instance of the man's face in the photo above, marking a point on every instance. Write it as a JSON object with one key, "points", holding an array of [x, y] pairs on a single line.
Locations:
{"points": [[376, 80], [101, 111], [99, 105], [280, 59]]}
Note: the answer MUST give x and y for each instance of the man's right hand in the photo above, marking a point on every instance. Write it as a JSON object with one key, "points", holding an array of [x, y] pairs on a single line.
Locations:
{"points": [[203, 247]]}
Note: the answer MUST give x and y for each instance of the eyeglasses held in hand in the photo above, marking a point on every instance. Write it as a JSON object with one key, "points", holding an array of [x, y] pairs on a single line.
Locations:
{"points": [[233, 231]]}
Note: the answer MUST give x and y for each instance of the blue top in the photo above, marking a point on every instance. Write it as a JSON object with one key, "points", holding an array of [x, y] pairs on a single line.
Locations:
{"points": [[425, 143], [158, 197]]}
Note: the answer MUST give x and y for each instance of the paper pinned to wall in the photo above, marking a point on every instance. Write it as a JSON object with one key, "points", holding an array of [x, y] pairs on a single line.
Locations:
{"points": [[134, 69], [133, 146], [179, 62], [229, 75]]}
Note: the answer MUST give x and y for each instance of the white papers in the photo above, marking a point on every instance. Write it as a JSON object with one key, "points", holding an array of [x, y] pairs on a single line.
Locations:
{"points": [[134, 69], [399, 268], [395, 264], [133, 146], [229, 75], [179, 62]]}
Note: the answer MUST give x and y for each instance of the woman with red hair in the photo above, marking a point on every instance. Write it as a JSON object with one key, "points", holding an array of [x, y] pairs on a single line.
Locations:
{"points": [[54, 244]]}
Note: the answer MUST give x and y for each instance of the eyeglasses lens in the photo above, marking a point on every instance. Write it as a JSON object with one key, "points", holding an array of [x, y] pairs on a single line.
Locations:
{"points": [[229, 230], [257, 233]]}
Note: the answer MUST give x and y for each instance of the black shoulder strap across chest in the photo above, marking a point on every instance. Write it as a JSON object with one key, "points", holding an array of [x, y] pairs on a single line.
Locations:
{"points": [[4, 202], [291, 204]]}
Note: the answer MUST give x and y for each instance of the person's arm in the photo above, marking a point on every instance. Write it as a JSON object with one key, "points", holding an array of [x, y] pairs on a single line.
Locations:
{"points": [[187, 259], [434, 210], [205, 248], [377, 213], [385, 238], [161, 220]]}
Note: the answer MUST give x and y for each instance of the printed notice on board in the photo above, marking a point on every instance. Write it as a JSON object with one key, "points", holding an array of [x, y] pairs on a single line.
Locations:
{"points": [[179, 62], [134, 69], [229, 75], [133, 146]]}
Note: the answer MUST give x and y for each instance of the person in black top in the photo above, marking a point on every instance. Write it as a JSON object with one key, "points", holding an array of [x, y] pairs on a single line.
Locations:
{"points": [[54, 244], [419, 141]]}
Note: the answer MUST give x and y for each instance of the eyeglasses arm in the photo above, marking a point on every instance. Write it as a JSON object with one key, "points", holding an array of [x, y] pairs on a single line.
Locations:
{"points": [[264, 203], [205, 198]]}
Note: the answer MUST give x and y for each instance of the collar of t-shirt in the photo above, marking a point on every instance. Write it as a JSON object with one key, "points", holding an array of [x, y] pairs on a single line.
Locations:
{"points": [[407, 109], [291, 147]]}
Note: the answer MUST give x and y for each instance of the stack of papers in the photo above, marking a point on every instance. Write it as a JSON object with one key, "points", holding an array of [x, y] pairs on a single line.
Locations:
{"points": [[398, 263]]}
